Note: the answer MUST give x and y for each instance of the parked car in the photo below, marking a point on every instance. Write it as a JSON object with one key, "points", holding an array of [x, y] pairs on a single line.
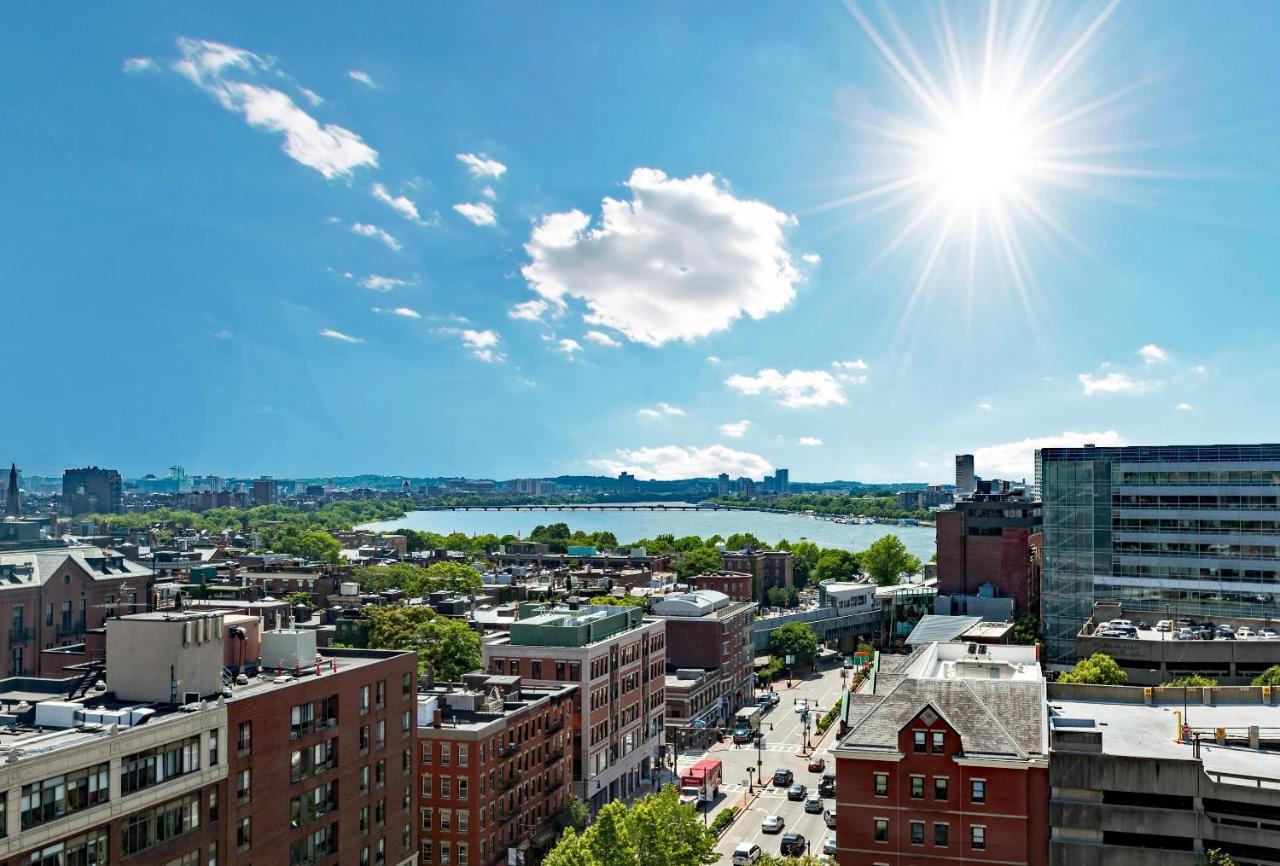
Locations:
{"points": [[1246, 633], [1164, 625], [746, 854], [783, 777], [829, 846], [772, 824], [797, 791], [829, 817], [817, 765], [813, 804], [801, 705], [1268, 634], [1143, 625], [1225, 634], [769, 700], [793, 845], [1185, 633], [847, 663]]}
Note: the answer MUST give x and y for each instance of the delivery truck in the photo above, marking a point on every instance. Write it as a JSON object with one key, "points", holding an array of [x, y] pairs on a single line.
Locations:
{"points": [[746, 724], [701, 783]]}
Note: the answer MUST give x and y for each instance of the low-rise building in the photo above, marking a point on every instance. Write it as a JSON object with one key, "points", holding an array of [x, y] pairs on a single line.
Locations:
{"points": [[710, 633], [495, 765], [738, 585]]}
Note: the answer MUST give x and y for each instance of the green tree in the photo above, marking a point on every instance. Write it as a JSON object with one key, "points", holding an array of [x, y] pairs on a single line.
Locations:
{"points": [[741, 540], [574, 813], [315, 545], [1026, 629], [1098, 669], [834, 564], [1194, 681], [666, 833], [609, 838], [1218, 857], [794, 638], [777, 596], [1269, 677], [804, 558], [620, 601], [451, 576], [802, 860], [887, 560], [571, 850], [298, 598], [445, 645], [700, 560]]}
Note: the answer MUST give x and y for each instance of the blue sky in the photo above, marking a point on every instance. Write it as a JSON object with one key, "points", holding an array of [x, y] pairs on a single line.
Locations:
{"points": [[200, 200]]}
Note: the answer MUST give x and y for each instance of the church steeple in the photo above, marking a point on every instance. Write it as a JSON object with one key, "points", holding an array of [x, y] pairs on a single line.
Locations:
{"points": [[12, 507]]}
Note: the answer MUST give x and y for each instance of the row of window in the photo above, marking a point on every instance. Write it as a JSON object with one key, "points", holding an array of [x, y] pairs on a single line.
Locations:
{"points": [[941, 784], [572, 669], [941, 833]]}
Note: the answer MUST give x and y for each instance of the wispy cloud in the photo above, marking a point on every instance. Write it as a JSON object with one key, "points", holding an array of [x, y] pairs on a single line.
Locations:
{"points": [[667, 462], [379, 283], [811, 259], [1114, 383], [794, 390], [482, 344], [1198, 369], [407, 313], [481, 166], [809, 441], [984, 406], [714, 359], [311, 96], [339, 336], [660, 411], [568, 347], [600, 338], [1014, 460], [134, 65], [371, 231], [734, 429], [480, 213], [1184, 407], [1153, 354], [227, 74], [530, 311], [363, 77], [399, 203]]}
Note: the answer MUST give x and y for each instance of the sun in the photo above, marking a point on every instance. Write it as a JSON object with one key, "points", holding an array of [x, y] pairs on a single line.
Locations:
{"points": [[1001, 118]]}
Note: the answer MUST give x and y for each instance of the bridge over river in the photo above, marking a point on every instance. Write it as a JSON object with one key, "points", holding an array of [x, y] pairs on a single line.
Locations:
{"points": [[588, 506]]}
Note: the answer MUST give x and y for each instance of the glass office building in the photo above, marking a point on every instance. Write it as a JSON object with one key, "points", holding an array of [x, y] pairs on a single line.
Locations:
{"points": [[1176, 530]]}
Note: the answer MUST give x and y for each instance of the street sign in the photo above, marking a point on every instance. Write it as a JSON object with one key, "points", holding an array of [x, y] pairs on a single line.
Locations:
{"points": [[791, 659]]}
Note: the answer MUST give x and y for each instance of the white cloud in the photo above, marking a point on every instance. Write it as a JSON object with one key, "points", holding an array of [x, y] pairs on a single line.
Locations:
{"points": [[339, 336], [379, 283], [1115, 383], [480, 213], [666, 462], [811, 259], [311, 96], [481, 166], [139, 64], [213, 67], [221, 334], [1198, 368], [407, 313], [794, 389], [399, 203], [809, 441], [1014, 460], [714, 359], [661, 410], [855, 378], [600, 338], [363, 77], [857, 364], [568, 346], [372, 231], [483, 344], [489, 192], [921, 464], [1153, 354], [682, 259], [1184, 407], [530, 311], [734, 429], [984, 406]]}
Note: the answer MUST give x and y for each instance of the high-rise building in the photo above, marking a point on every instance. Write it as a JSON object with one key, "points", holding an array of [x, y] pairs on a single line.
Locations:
{"points": [[746, 487], [1188, 529], [781, 480], [91, 490], [965, 481], [265, 491], [12, 505], [722, 484], [617, 657]]}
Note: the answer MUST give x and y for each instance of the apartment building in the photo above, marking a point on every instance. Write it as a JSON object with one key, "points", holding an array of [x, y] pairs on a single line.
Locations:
{"points": [[617, 657], [709, 633], [92, 491], [495, 765], [989, 548], [946, 760], [770, 567], [737, 585]]}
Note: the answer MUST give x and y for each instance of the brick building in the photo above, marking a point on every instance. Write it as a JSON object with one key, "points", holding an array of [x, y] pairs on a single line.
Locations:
{"points": [[735, 584], [709, 632], [947, 761], [991, 540], [92, 490], [51, 596], [770, 567], [617, 657], [495, 764]]}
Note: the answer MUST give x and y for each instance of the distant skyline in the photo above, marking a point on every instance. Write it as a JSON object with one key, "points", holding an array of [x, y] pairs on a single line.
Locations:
{"points": [[503, 241]]}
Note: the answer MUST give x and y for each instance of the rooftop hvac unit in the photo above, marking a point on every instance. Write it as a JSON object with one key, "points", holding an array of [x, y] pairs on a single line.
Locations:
{"points": [[349, 588], [288, 648]]}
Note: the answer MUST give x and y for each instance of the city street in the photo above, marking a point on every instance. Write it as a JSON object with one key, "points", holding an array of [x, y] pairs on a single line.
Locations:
{"points": [[781, 746]]}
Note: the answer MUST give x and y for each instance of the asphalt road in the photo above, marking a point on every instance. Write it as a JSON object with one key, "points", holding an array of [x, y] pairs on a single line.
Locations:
{"points": [[783, 741]]}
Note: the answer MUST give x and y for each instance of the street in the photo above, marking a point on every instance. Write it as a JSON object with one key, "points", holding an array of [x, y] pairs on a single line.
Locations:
{"points": [[783, 738]]}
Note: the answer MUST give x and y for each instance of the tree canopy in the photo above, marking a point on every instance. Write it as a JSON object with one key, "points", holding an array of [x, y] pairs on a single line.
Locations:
{"points": [[1194, 681], [794, 638], [1269, 677], [658, 830], [887, 560], [1098, 669], [445, 645], [416, 581], [834, 564], [700, 560]]}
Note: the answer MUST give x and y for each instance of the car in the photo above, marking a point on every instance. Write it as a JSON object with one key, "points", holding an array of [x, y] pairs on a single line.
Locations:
{"points": [[1185, 622], [847, 663], [829, 846], [1164, 625], [827, 785], [772, 824], [1268, 634], [817, 765], [1185, 634], [783, 777], [793, 845], [770, 700], [829, 817], [801, 705], [813, 804], [1143, 625], [797, 791], [746, 854], [1225, 634], [1246, 633]]}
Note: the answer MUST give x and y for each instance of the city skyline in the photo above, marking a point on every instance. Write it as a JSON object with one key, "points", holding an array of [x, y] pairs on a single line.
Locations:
{"points": [[409, 245]]}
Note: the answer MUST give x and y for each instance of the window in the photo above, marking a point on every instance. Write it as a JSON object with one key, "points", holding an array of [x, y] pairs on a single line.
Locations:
{"points": [[462, 788], [918, 741], [515, 667], [939, 787], [535, 671], [213, 804], [406, 761], [406, 837], [462, 755], [364, 820], [978, 837], [917, 832], [57, 796], [464, 820], [939, 742], [446, 819], [941, 835], [428, 753], [882, 829], [882, 784], [364, 779], [446, 786], [315, 846], [406, 686], [380, 733], [427, 852], [380, 773], [462, 854], [364, 700], [446, 754], [242, 786], [382, 694], [317, 802], [244, 739], [144, 769], [917, 787], [426, 784], [86, 849], [380, 812], [160, 824], [978, 790], [313, 760], [213, 748], [427, 816], [444, 852], [406, 722]]}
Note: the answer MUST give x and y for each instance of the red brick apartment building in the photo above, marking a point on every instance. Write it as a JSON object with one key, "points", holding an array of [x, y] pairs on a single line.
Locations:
{"points": [[946, 762], [772, 567], [735, 584], [617, 657], [991, 539], [495, 764], [163, 767], [709, 631]]}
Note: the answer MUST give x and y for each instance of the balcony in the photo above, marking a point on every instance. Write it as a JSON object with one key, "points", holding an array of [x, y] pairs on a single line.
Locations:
{"points": [[71, 627], [21, 634], [552, 757], [557, 725], [510, 781]]}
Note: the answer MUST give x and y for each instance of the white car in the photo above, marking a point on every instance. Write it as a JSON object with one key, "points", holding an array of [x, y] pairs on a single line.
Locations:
{"points": [[801, 705], [1246, 633], [1268, 634], [829, 846], [746, 854], [1164, 625], [772, 824]]}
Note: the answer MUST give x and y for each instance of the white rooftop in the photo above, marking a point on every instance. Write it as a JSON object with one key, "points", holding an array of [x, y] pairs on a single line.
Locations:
{"points": [[975, 661]]}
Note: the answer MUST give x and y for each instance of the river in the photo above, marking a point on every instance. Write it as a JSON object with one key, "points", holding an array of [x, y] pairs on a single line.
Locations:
{"points": [[629, 526]]}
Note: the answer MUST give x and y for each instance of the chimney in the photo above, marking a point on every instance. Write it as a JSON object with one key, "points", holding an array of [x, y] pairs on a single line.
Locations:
{"points": [[437, 720]]}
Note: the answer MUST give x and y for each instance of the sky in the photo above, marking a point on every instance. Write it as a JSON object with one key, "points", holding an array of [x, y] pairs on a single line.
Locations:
{"points": [[506, 240]]}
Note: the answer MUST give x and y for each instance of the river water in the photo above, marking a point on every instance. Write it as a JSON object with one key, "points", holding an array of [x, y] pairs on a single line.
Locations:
{"points": [[629, 526]]}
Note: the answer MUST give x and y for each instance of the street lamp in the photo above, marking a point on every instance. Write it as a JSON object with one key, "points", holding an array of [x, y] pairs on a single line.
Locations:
{"points": [[750, 779]]}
